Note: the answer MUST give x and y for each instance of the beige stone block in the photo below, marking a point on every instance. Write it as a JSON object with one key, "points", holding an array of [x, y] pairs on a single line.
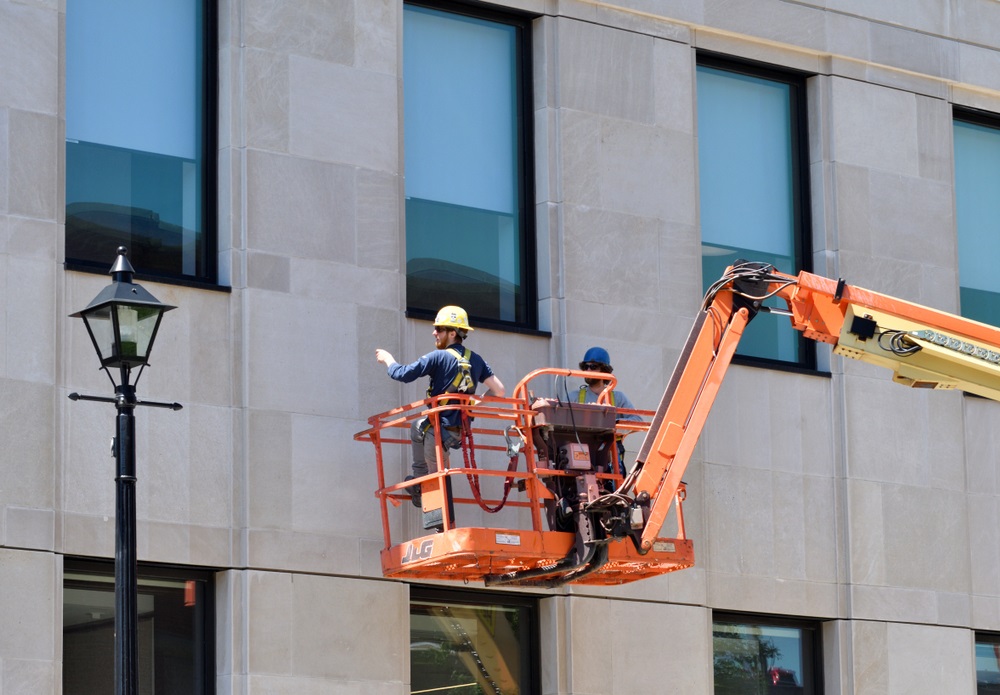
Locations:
{"points": [[30, 39], [264, 106], [794, 25], [981, 440], [591, 243], [379, 216], [605, 71], [874, 127], [304, 551], [847, 35], [312, 28], [26, 428], [576, 145], [29, 528], [300, 208], [925, 15], [954, 608], [637, 651], [637, 167], [31, 239], [673, 75], [277, 379], [985, 613], [377, 36], [929, 659], [360, 130], [935, 124], [971, 21], [34, 164], [926, 538], [87, 535], [230, 119], [30, 676], [913, 51], [296, 685], [267, 271], [870, 649], [865, 520], [911, 214], [979, 66], [305, 627], [893, 604], [28, 606], [269, 469]]}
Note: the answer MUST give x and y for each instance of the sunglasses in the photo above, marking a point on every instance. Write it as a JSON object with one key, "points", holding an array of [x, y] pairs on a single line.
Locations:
{"points": [[442, 329], [593, 367]]}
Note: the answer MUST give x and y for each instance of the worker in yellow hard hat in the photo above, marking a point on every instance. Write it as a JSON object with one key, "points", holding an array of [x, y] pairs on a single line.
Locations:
{"points": [[452, 368]]}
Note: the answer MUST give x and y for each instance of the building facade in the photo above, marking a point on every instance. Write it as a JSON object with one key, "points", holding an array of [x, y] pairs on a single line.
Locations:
{"points": [[309, 181]]}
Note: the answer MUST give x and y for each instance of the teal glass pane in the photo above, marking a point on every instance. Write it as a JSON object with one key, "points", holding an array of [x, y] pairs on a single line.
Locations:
{"points": [[135, 170], [747, 190], [977, 205], [464, 227]]}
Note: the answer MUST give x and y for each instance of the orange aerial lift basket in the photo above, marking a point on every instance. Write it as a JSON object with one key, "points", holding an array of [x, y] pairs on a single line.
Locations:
{"points": [[519, 504], [560, 512]]}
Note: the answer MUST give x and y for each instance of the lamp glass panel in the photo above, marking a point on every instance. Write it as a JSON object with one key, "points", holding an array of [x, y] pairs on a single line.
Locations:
{"points": [[99, 322], [137, 325]]}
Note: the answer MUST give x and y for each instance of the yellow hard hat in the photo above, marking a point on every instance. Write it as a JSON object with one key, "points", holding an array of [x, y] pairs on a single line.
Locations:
{"points": [[453, 317]]}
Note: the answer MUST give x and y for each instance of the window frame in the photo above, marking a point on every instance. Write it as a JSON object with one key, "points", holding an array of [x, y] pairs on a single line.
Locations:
{"points": [[796, 81], [209, 115], [531, 680], [524, 109], [105, 569], [812, 650]]}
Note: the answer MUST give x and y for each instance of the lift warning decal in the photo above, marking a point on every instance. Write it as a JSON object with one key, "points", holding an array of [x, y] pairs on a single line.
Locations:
{"points": [[415, 552], [508, 539]]}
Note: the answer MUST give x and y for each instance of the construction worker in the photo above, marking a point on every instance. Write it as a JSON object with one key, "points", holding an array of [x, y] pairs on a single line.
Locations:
{"points": [[452, 368], [597, 359]]}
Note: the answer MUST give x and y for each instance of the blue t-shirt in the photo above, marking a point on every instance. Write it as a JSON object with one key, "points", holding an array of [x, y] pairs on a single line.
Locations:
{"points": [[442, 368]]}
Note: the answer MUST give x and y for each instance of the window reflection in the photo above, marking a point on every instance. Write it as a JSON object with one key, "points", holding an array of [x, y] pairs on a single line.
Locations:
{"points": [[762, 659], [465, 648]]}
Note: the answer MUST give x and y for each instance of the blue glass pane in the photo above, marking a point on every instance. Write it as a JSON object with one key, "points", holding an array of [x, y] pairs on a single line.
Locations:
{"points": [[135, 173], [464, 233], [746, 187], [977, 204]]}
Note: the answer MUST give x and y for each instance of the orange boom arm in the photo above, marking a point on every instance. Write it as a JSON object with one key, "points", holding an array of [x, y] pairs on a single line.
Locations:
{"points": [[924, 347]]}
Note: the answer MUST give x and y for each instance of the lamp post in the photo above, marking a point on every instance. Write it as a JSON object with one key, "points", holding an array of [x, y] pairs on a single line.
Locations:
{"points": [[122, 321]]}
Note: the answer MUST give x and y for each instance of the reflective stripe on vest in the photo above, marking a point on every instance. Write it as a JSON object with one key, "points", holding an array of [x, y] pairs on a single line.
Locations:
{"points": [[582, 397]]}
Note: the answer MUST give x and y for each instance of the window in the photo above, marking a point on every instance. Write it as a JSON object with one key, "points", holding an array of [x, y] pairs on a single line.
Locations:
{"points": [[752, 173], [472, 643], [176, 633], [977, 210], [987, 664], [140, 136], [765, 656], [467, 136]]}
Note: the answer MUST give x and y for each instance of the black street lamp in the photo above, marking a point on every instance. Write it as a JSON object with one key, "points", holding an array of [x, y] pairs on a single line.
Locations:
{"points": [[122, 322]]}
